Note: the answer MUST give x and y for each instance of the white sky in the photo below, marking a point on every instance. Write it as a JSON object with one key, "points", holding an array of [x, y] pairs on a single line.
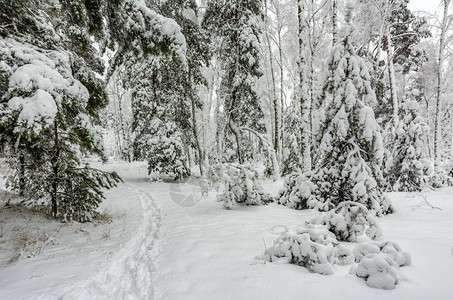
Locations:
{"points": [[426, 5]]}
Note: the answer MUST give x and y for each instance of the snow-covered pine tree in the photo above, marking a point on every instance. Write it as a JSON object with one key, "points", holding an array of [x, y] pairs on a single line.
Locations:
{"points": [[236, 23], [348, 162], [164, 93], [51, 96], [291, 149], [45, 114], [166, 153], [186, 14], [160, 110], [408, 172]]}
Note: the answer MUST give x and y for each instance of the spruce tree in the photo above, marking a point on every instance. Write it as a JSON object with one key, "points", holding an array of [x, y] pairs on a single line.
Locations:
{"points": [[348, 162], [408, 168], [291, 161]]}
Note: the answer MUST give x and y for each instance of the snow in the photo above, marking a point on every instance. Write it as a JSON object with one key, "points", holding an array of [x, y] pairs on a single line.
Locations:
{"points": [[159, 249], [40, 105]]}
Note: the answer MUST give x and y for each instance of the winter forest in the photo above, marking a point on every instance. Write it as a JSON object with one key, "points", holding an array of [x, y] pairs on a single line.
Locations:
{"points": [[226, 149]]}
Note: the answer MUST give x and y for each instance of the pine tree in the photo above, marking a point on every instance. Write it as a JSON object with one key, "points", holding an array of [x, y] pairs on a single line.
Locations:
{"points": [[236, 23], [291, 149], [165, 150], [186, 14], [46, 115], [349, 159], [51, 95], [408, 170]]}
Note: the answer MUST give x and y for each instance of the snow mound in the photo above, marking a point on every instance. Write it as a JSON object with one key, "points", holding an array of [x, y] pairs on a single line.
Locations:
{"points": [[241, 186], [391, 249], [379, 263], [312, 246], [349, 221], [379, 271]]}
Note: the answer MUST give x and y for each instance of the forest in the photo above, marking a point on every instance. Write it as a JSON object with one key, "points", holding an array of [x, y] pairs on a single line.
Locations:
{"points": [[320, 122]]}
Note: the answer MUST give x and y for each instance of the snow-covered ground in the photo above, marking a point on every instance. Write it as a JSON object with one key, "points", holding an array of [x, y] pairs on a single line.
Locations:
{"points": [[166, 242]]}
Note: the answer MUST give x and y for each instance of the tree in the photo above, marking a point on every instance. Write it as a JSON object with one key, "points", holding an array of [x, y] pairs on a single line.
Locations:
{"points": [[291, 149], [349, 159], [46, 114], [305, 103], [160, 110], [235, 22], [440, 61], [51, 95], [408, 172]]}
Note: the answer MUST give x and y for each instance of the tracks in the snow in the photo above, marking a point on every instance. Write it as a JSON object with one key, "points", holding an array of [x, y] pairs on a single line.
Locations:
{"points": [[130, 272]]}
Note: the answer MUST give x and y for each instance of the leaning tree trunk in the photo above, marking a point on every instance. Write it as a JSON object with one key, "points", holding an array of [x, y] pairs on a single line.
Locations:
{"points": [[440, 61]]}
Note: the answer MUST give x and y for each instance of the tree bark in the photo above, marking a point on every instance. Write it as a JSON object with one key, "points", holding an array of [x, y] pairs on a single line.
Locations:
{"points": [[55, 169], [274, 93], [334, 23], [21, 174], [391, 70], [440, 61], [305, 130]]}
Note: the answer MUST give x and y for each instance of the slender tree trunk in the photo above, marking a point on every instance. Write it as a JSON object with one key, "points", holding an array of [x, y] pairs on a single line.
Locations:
{"points": [[391, 70], [280, 55], [55, 169], [451, 133], [440, 61], [276, 130], [334, 23], [21, 174], [195, 130], [304, 100], [233, 109]]}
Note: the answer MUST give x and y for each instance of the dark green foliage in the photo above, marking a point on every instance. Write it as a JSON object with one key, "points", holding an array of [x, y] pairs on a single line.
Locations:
{"points": [[48, 108]]}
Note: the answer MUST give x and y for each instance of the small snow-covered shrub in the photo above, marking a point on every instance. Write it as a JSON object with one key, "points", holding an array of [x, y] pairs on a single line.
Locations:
{"points": [[379, 271], [379, 263], [344, 256], [393, 250], [242, 186], [296, 191], [312, 247], [441, 178], [349, 221]]}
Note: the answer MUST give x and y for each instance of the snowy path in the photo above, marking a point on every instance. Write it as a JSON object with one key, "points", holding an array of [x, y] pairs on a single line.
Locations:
{"points": [[129, 273], [89, 261]]}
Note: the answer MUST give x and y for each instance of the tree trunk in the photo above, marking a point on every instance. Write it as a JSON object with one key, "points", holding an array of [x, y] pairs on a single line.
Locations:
{"points": [[232, 110], [440, 61], [276, 137], [194, 128], [304, 101], [21, 174], [55, 169], [391, 70], [334, 23]]}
